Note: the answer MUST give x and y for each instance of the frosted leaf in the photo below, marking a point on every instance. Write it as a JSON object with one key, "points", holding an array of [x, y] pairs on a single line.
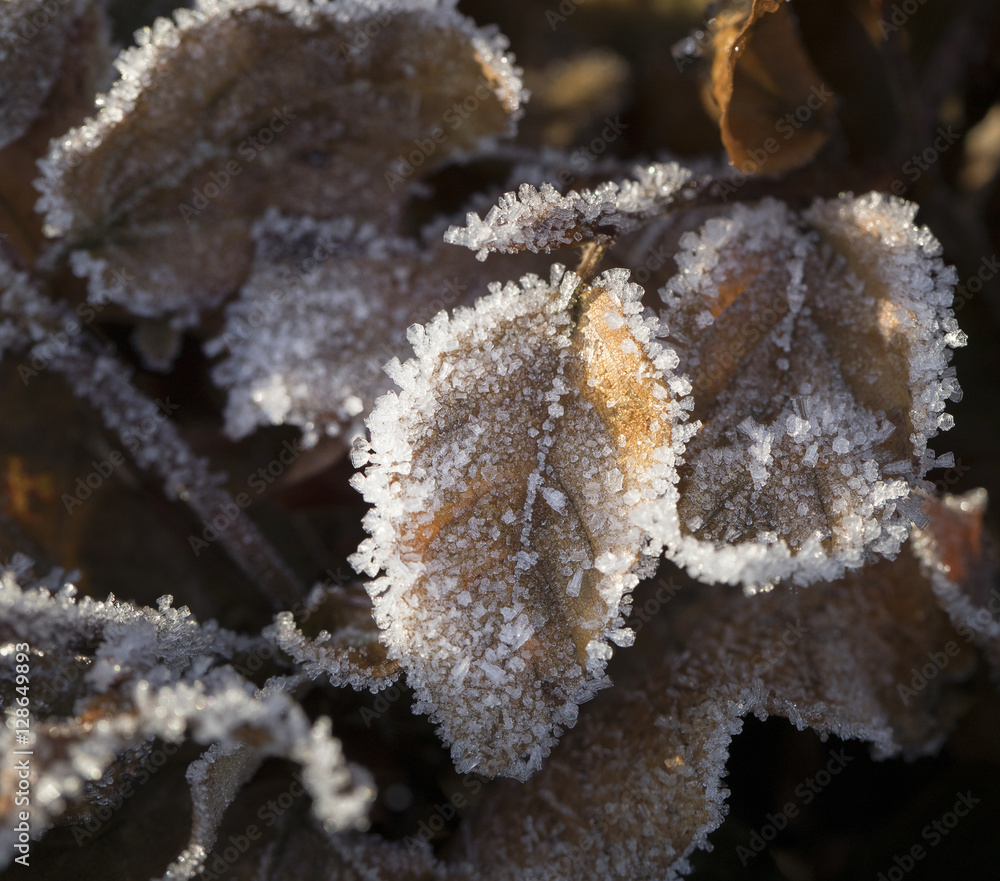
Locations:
{"points": [[819, 361], [506, 476], [638, 785], [325, 307], [349, 655], [196, 138], [148, 674], [33, 40], [542, 219], [954, 551], [215, 779]]}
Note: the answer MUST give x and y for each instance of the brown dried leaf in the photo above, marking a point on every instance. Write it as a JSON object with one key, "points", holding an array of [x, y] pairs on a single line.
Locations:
{"points": [[197, 137], [638, 785], [507, 475], [953, 549], [775, 108], [819, 364]]}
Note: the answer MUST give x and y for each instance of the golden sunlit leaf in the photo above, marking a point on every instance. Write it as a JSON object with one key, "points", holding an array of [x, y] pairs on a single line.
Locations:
{"points": [[775, 107]]}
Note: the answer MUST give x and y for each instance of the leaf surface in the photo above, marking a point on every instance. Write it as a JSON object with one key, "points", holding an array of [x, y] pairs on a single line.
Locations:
{"points": [[818, 349], [505, 476]]}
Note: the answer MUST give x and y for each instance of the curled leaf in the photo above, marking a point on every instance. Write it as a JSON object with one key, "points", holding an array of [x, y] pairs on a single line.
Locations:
{"points": [[163, 185], [774, 105], [819, 361], [349, 655], [541, 219], [506, 476]]}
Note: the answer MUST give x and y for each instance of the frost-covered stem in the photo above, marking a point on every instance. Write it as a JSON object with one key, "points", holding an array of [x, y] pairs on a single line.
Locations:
{"points": [[105, 382], [590, 260]]}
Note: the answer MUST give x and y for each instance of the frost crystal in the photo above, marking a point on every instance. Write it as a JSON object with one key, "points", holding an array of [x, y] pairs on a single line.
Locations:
{"points": [[506, 476], [542, 219], [819, 365]]}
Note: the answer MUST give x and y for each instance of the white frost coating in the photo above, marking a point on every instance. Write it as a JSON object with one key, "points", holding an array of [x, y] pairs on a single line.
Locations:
{"points": [[164, 678], [140, 71], [339, 657], [542, 219], [30, 58], [307, 338], [503, 514], [145, 164], [814, 338]]}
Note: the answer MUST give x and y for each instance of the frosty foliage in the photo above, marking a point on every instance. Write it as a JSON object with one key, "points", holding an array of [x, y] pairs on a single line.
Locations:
{"points": [[506, 477], [350, 655], [196, 137], [638, 785], [540, 219], [819, 362], [32, 50], [964, 577], [150, 674], [547, 444]]}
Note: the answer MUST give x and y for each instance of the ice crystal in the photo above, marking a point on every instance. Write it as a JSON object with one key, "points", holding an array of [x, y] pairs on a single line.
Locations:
{"points": [[506, 477]]}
